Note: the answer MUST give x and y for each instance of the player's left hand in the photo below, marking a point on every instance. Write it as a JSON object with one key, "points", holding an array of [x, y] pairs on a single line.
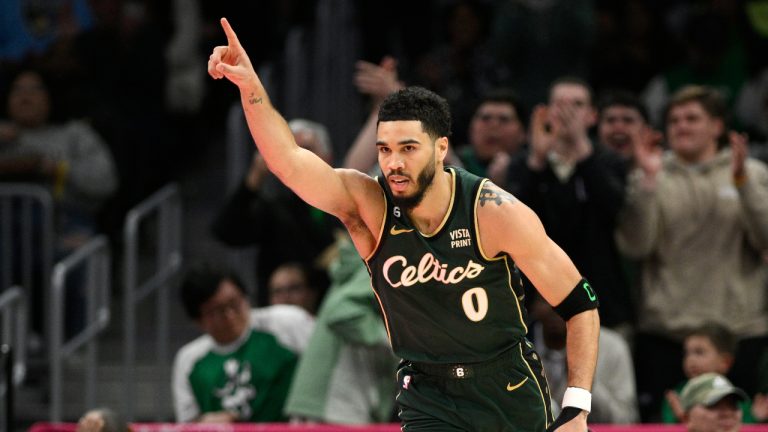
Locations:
{"points": [[231, 61], [570, 420]]}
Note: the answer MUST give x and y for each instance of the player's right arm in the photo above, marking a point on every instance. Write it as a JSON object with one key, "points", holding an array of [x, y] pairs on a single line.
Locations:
{"points": [[349, 195]]}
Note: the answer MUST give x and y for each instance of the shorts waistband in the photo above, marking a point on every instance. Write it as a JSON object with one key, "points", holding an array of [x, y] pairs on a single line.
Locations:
{"points": [[466, 370]]}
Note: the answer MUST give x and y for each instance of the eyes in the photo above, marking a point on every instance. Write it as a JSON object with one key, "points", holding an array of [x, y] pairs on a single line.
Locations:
{"points": [[408, 148]]}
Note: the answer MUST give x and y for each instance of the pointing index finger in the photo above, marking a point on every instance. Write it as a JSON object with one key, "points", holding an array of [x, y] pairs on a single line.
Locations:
{"points": [[231, 36]]}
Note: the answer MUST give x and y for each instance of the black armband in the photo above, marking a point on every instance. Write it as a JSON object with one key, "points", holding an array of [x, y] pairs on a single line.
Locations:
{"points": [[581, 298]]}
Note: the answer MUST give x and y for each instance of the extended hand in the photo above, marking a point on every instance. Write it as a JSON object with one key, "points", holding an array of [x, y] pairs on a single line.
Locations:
{"points": [[647, 152], [231, 61], [739, 151], [378, 81], [542, 139]]}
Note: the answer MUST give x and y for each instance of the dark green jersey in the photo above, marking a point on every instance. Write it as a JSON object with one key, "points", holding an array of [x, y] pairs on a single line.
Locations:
{"points": [[442, 299]]}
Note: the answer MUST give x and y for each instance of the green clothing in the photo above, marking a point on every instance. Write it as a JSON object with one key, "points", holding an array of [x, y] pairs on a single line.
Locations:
{"points": [[230, 382], [345, 374], [442, 300], [512, 397], [471, 162], [449, 307], [249, 377]]}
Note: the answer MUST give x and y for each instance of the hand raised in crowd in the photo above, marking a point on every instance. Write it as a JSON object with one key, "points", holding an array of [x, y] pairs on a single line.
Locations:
{"points": [[739, 152], [674, 403], [256, 173], [760, 407], [498, 167], [648, 153], [8, 132], [231, 61], [378, 81], [542, 138], [566, 122]]}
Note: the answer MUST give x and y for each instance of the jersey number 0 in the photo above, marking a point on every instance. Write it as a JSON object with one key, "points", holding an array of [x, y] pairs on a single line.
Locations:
{"points": [[475, 303]]}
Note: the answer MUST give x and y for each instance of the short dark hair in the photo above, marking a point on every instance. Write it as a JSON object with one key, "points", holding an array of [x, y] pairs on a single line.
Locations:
{"points": [[418, 103], [624, 98], [722, 338], [507, 96], [200, 284], [711, 100], [573, 80]]}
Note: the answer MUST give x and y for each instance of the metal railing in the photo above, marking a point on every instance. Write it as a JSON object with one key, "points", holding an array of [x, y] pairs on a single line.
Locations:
{"points": [[13, 318], [6, 389], [26, 239], [240, 149], [165, 204], [94, 258]]}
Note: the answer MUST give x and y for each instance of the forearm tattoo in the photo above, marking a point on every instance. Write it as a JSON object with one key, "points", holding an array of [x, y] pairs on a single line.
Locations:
{"points": [[492, 193], [252, 99]]}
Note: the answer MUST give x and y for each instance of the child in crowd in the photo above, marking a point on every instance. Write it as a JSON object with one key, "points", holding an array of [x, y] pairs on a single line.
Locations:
{"points": [[710, 348]]}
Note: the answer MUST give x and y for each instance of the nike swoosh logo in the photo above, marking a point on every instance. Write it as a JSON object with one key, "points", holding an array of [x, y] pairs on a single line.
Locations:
{"points": [[395, 231], [511, 387]]}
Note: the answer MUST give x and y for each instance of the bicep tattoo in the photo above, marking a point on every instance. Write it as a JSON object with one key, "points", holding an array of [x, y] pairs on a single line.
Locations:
{"points": [[492, 193]]}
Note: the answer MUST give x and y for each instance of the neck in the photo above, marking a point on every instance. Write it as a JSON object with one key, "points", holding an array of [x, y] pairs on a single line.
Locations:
{"points": [[428, 215]]}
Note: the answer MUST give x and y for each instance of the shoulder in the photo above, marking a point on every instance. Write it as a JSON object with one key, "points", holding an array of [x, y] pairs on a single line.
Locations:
{"points": [[291, 325], [495, 205], [191, 352], [503, 220], [757, 166]]}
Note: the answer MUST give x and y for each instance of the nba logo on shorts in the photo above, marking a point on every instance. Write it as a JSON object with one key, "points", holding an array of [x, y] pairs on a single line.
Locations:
{"points": [[406, 381]]}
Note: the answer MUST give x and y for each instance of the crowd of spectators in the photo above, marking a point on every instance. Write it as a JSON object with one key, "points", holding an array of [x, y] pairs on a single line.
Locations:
{"points": [[636, 130]]}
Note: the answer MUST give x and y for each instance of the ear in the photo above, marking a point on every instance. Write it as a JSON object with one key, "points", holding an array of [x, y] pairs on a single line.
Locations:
{"points": [[726, 362], [441, 148], [719, 127], [592, 117]]}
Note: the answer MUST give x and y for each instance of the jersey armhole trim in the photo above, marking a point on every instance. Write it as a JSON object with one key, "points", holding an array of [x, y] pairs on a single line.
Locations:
{"points": [[384, 222], [476, 221]]}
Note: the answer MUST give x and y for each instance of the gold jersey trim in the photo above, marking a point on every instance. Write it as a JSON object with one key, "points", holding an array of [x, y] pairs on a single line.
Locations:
{"points": [[381, 228], [450, 206], [536, 379]]}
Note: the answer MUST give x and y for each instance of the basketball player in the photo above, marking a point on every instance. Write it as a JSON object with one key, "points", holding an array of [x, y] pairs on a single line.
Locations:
{"points": [[443, 248]]}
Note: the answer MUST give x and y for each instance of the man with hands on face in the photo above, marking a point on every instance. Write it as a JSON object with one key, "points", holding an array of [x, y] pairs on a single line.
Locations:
{"points": [[442, 247], [577, 189]]}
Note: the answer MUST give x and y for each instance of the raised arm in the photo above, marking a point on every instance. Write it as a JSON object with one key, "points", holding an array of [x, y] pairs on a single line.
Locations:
{"points": [[509, 226], [301, 170]]}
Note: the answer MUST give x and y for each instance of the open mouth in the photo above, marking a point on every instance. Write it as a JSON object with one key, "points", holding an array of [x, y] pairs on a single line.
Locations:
{"points": [[398, 183]]}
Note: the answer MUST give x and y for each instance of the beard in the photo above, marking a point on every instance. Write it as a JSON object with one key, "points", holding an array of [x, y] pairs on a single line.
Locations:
{"points": [[423, 182]]}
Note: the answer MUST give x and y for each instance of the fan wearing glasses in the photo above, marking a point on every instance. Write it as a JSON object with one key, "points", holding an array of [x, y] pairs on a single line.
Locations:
{"points": [[241, 368]]}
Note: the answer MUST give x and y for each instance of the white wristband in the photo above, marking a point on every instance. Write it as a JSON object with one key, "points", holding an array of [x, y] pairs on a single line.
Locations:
{"points": [[578, 398]]}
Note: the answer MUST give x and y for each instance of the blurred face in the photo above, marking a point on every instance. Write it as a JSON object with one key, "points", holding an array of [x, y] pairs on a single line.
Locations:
{"points": [[287, 285], [409, 158], [573, 97], [724, 416], [692, 133], [618, 126], [701, 357], [495, 127], [226, 315], [28, 102]]}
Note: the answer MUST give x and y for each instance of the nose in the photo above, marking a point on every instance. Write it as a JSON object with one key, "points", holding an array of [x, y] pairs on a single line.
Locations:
{"points": [[395, 163]]}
